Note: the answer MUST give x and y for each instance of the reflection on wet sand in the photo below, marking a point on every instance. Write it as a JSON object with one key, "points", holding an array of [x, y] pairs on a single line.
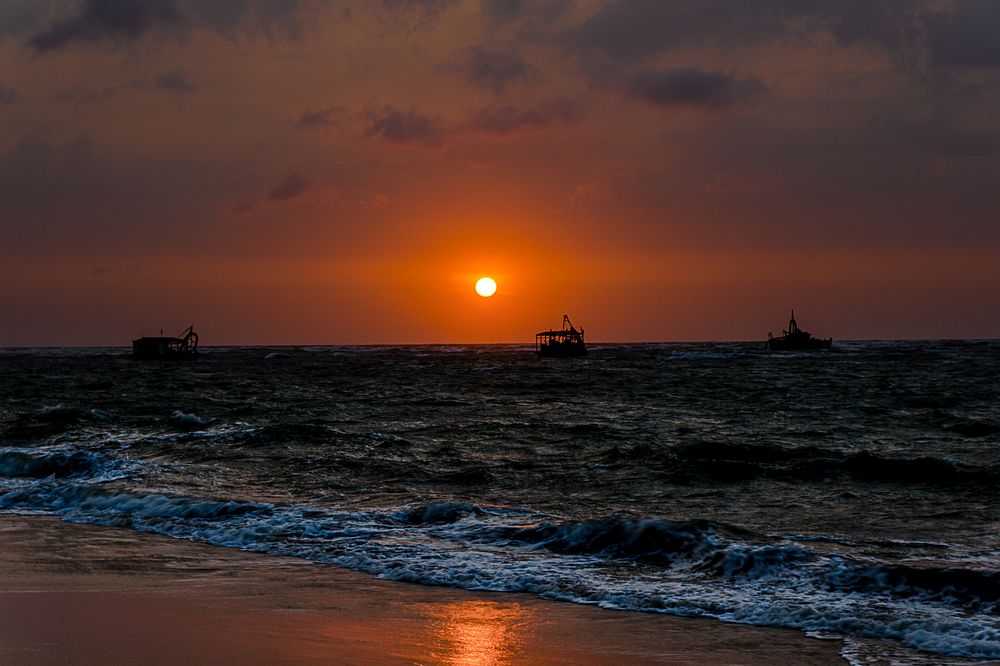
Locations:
{"points": [[479, 632]]}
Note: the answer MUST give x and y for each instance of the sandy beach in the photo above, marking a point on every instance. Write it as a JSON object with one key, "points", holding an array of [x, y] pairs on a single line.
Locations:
{"points": [[91, 595]]}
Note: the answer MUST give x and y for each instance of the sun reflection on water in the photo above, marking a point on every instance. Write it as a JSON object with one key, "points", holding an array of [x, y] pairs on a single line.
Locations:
{"points": [[479, 632]]}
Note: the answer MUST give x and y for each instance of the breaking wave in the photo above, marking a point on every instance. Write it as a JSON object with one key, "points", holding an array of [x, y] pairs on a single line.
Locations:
{"points": [[61, 463], [725, 461], [698, 567]]}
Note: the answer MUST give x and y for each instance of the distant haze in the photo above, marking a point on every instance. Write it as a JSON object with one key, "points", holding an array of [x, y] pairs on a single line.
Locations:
{"points": [[337, 172]]}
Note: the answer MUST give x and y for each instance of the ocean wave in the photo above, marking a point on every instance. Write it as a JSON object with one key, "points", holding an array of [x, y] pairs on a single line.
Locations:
{"points": [[280, 433], [44, 422], [972, 589], [41, 464], [974, 428], [732, 462], [61, 463], [187, 422], [695, 567], [651, 540], [437, 513]]}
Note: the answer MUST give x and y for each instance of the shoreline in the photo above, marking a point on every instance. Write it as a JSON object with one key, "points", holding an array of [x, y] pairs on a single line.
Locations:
{"points": [[90, 594]]}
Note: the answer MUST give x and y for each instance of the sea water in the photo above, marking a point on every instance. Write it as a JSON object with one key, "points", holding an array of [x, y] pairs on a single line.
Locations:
{"points": [[853, 493]]}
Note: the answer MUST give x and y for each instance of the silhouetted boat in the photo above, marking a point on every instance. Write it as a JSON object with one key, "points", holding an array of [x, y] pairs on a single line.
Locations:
{"points": [[795, 339], [562, 343], [184, 346]]}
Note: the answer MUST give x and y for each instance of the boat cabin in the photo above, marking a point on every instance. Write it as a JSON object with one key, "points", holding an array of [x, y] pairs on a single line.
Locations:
{"points": [[795, 339], [184, 346], [567, 341]]}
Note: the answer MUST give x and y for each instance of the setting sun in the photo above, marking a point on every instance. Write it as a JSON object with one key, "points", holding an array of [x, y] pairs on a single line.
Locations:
{"points": [[486, 287]]}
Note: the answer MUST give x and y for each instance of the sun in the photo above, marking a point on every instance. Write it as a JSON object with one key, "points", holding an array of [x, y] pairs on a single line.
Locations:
{"points": [[486, 287]]}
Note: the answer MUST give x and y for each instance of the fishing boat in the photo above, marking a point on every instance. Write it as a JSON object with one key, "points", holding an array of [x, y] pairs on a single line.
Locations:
{"points": [[568, 341], [795, 339], [182, 347]]}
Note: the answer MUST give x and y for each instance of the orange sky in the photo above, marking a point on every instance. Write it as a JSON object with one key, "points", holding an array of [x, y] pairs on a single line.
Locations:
{"points": [[327, 172]]}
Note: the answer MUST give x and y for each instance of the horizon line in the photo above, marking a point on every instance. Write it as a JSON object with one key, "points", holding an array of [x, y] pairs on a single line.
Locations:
{"points": [[492, 344]]}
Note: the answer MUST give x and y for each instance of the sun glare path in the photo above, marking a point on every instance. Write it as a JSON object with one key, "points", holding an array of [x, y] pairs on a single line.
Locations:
{"points": [[486, 287]]}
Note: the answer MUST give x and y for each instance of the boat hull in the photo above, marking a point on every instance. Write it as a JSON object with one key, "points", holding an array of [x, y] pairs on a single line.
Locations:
{"points": [[562, 350], [812, 344]]}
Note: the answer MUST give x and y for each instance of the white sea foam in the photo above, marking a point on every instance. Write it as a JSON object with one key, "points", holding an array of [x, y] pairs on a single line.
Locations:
{"points": [[691, 568]]}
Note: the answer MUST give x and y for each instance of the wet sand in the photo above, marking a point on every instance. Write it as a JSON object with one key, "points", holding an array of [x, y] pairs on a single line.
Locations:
{"points": [[93, 595]]}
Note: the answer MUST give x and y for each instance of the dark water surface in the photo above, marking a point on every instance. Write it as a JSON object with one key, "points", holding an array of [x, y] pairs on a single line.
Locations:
{"points": [[853, 493]]}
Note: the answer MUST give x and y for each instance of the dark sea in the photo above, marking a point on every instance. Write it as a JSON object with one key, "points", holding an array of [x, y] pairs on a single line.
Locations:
{"points": [[850, 494]]}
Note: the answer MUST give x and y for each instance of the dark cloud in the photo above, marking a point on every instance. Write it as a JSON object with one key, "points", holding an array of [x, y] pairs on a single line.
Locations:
{"points": [[504, 12], [115, 21], [405, 127], [66, 196], [938, 134], [290, 187], [424, 12], [174, 82], [38, 169], [493, 70], [891, 23], [99, 20], [503, 120], [331, 116], [82, 96], [419, 5], [693, 87], [968, 36], [20, 17], [272, 18], [634, 29], [7, 95]]}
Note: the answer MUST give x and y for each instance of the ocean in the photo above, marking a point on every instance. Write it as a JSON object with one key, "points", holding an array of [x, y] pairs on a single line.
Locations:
{"points": [[851, 494]]}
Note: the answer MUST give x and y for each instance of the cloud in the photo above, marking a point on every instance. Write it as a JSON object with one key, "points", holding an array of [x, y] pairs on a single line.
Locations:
{"points": [[64, 196], [499, 13], [20, 17], [968, 36], [492, 70], [631, 31], [82, 96], [407, 128], [290, 187], [99, 20], [425, 12], [693, 87], [7, 95], [418, 5], [34, 167], [174, 82], [331, 116], [117, 21], [272, 18], [503, 120], [938, 134], [634, 29]]}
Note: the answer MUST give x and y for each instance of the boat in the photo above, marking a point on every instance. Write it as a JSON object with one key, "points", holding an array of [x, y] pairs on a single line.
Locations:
{"points": [[563, 343], [795, 339], [182, 347]]}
